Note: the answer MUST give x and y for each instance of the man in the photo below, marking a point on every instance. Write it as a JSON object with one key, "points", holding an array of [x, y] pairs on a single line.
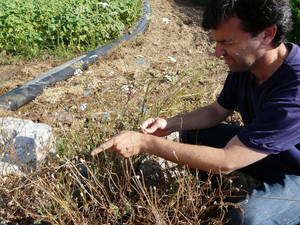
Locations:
{"points": [[264, 85]]}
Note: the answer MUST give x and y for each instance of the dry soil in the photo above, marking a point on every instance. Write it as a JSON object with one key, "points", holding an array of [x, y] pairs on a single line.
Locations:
{"points": [[173, 44]]}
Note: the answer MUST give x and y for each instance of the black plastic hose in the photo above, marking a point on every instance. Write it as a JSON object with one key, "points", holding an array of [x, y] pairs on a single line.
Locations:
{"points": [[21, 95]]}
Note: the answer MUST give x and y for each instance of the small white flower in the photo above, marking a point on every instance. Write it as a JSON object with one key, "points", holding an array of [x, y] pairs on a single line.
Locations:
{"points": [[143, 109], [103, 4], [87, 92], [106, 116], [172, 59], [83, 107], [113, 13], [110, 74], [168, 77], [125, 88], [166, 20]]}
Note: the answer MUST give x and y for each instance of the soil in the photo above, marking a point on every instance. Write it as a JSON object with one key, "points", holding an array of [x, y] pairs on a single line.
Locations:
{"points": [[173, 44]]}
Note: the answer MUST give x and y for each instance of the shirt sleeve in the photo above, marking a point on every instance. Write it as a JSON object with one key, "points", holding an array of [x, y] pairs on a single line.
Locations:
{"points": [[276, 128]]}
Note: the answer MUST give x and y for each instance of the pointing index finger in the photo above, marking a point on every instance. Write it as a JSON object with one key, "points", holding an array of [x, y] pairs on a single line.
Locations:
{"points": [[103, 147]]}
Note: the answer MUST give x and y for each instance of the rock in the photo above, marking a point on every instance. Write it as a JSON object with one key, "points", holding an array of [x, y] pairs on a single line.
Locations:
{"points": [[23, 145], [63, 117], [156, 171], [173, 137], [152, 173], [172, 59], [140, 61]]}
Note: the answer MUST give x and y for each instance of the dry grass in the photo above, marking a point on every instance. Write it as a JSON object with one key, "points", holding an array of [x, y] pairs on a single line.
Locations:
{"points": [[74, 188], [107, 195], [87, 109]]}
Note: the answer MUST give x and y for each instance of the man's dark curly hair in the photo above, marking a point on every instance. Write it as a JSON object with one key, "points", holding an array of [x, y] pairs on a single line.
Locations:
{"points": [[256, 15]]}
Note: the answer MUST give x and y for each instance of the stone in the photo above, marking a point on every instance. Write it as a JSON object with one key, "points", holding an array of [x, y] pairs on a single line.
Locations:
{"points": [[156, 171], [152, 173], [173, 137], [23, 145]]}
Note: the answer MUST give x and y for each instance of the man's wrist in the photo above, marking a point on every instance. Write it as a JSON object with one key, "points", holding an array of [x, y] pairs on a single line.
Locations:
{"points": [[146, 143]]}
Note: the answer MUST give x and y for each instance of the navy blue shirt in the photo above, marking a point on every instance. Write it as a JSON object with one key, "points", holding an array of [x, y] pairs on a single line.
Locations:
{"points": [[270, 111]]}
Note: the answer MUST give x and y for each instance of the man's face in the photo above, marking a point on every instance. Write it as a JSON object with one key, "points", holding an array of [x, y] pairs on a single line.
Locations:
{"points": [[238, 48]]}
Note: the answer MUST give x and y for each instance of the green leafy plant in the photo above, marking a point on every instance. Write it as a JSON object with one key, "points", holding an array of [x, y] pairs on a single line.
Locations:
{"points": [[30, 27], [295, 34]]}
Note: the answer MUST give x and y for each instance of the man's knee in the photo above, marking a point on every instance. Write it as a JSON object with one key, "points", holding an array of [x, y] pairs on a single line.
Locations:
{"points": [[234, 216], [238, 216]]}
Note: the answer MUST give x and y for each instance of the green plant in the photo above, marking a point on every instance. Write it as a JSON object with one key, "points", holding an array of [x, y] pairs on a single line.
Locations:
{"points": [[295, 34], [31, 27]]}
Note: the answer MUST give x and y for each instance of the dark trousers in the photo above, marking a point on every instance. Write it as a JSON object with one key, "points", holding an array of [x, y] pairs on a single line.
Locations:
{"points": [[271, 188]]}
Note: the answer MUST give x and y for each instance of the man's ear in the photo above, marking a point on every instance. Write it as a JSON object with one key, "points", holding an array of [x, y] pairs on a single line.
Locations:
{"points": [[269, 34]]}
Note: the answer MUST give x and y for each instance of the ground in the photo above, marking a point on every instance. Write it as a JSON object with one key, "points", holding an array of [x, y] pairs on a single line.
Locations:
{"points": [[168, 70], [174, 44]]}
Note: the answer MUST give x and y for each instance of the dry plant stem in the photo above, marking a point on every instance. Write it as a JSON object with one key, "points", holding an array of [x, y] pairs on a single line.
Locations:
{"points": [[158, 218], [194, 83]]}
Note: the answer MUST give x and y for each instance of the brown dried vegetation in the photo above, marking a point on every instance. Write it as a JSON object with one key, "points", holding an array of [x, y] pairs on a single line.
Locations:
{"points": [[137, 80]]}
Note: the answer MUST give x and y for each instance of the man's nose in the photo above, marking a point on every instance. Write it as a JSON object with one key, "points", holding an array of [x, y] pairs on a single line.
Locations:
{"points": [[219, 50]]}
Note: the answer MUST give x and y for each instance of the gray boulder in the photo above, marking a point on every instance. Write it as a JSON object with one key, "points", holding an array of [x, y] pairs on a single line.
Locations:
{"points": [[23, 145]]}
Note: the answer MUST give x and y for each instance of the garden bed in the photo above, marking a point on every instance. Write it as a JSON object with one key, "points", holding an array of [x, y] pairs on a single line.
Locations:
{"points": [[169, 69]]}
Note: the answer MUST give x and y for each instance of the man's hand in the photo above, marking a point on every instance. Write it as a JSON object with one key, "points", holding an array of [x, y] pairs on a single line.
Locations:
{"points": [[126, 144], [157, 127]]}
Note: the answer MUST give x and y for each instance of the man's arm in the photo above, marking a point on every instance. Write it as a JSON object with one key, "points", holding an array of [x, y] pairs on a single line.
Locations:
{"points": [[204, 117], [233, 156], [201, 118]]}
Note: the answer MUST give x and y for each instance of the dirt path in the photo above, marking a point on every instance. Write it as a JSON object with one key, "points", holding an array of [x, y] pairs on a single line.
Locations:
{"points": [[173, 44]]}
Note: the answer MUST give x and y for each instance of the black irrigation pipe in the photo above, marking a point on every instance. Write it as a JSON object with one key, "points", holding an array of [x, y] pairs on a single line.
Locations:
{"points": [[28, 91]]}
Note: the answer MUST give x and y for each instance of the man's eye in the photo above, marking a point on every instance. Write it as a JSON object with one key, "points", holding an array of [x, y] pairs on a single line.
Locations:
{"points": [[224, 42]]}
